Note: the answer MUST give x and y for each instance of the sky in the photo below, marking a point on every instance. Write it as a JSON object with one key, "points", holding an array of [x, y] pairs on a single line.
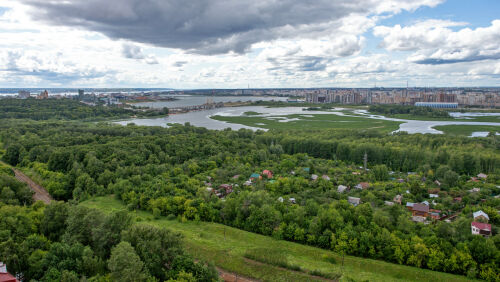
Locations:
{"points": [[249, 43]]}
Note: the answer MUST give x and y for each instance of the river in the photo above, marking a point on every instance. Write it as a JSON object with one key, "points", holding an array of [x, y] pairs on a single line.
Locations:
{"points": [[202, 119], [196, 100]]}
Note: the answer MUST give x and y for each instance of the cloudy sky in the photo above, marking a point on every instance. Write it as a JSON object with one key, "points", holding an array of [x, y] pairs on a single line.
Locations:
{"points": [[260, 43]]}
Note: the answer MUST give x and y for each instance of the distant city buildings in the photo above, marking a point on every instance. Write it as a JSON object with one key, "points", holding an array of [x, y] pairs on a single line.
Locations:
{"points": [[81, 94], [436, 98], [429, 97], [23, 94], [43, 95], [437, 105]]}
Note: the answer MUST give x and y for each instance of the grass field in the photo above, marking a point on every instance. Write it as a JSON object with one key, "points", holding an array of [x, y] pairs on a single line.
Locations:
{"points": [[226, 248], [466, 130], [309, 120], [475, 119]]}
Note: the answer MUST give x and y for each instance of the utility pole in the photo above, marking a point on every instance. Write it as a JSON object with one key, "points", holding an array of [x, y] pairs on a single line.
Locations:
{"points": [[365, 160]]}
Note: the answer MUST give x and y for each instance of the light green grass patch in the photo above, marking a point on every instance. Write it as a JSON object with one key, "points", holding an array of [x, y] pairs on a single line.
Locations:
{"points": [[466, 130], [313, 121]]}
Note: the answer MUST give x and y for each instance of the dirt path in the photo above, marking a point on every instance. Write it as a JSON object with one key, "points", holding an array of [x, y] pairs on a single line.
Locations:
{"points": [[233, 277], [286, 269], [40, 193]]}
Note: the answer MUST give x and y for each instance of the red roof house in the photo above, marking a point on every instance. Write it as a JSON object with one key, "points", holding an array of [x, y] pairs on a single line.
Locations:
{"points": [[6, 276], [479, 228], [267, 173], [224, 190]]}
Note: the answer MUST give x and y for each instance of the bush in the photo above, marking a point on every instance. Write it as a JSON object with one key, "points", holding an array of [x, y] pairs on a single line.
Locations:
{"points": [[272, 257], [330, 258]]}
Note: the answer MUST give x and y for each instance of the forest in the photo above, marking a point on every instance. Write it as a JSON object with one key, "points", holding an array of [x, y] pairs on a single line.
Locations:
{"points": [[67, 109], [391, 110], [276, 183]]}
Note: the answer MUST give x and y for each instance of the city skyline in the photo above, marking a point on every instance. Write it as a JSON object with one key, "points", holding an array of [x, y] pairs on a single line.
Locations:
{"points": [[265, 44]]}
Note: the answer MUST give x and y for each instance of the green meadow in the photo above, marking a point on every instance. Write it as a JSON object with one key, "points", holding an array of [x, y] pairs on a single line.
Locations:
{"points": [[309, 120], [466, 130]]}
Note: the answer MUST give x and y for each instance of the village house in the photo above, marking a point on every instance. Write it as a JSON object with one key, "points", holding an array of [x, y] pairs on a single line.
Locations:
{"points": [[362, 185], [325, 177], [437, 183], [292, 200], [474, 190], [479, 228], [388, 203], [314, 177], [354, 201], [267, 173], [236, 176], [482, 176], [255, 177], [341, 188], [280, 199], [435, 214], [433, 196], [224, 190], [457, 199], [433, 190], [418, 209], [481, 216], [473, 179], [5, 276], [397, 199]]}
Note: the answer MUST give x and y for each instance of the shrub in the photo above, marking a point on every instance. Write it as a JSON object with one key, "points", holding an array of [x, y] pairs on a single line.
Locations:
{"points": [[330, 258], [272, 257]]}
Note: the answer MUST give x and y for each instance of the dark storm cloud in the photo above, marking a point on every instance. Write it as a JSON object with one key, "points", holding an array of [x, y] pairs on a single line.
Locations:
{"points": [[201, 26]]}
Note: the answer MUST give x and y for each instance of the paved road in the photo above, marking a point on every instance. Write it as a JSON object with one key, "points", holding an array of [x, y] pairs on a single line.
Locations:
{"points": [[40, 193]]}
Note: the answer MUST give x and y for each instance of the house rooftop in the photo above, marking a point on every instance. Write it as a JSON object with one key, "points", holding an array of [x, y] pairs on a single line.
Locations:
{"points": [[480, 213], [481, 226], [421, 207], [354, 200]]}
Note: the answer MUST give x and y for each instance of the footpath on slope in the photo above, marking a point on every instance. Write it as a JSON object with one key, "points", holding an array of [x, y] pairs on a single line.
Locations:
{"points": [[227, 276], [40, 193]]}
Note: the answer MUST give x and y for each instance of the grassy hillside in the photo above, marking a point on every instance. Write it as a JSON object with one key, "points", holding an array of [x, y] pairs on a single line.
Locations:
{"points": [[226, 248]]}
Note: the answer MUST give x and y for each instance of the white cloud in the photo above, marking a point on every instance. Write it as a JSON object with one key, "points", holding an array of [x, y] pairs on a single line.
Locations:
{"points": [[132, 51], [435, 42], [313, 48]]}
